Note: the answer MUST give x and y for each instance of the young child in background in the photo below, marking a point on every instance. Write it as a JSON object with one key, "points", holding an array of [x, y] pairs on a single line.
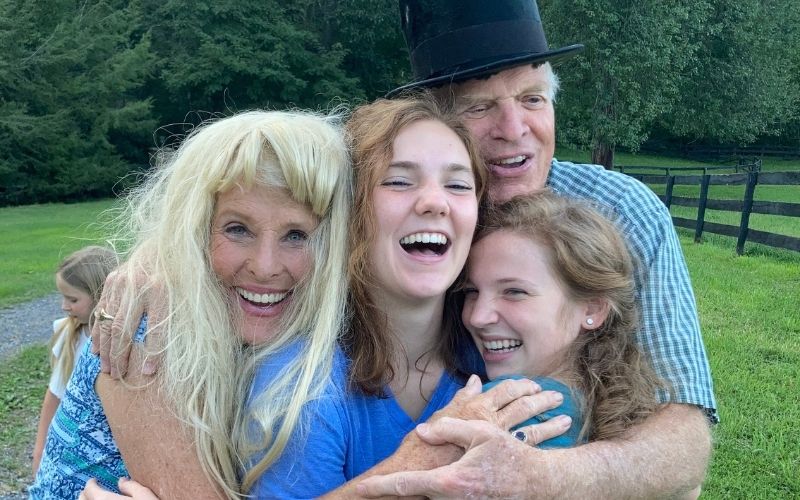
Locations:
{"points": [[550, 296], [79, 279]]}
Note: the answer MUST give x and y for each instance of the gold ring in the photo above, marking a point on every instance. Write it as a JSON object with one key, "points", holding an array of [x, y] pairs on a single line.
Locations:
{"points": [[102, 315]]}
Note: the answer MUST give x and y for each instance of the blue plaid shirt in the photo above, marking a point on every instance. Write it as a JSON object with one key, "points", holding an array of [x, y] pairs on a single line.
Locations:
{"points": [[670, 331]]}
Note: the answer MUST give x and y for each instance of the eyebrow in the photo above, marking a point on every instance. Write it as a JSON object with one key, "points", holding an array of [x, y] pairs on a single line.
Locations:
{"points": [[250, 217], [410, 165], [468, 99]]}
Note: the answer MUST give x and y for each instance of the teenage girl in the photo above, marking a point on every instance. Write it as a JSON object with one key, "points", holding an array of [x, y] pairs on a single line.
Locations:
{"points": [[550, 296], [79, 279]]}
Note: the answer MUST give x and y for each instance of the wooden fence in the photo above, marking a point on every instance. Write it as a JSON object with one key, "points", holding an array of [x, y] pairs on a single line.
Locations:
{"points": [[748, 174]]}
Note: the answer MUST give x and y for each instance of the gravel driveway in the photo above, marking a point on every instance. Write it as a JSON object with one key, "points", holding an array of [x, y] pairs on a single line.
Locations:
{"points": [[28, 323]]}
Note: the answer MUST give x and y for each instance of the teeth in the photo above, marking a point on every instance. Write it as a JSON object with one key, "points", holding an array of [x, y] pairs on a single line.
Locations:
{"points": [[515, 159], [436, 238], [262, 298], [501, 345]]}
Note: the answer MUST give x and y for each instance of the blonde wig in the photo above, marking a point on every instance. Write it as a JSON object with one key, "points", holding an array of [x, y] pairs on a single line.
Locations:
{"points": [[589, 258], [206, 372], [371, 131], [85, 270]]}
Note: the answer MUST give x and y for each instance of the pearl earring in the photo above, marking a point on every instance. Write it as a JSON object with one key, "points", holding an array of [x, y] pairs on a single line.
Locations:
{"points": [[589, 321]]}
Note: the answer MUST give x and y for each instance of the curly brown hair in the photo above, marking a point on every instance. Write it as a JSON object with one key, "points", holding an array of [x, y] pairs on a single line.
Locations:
{"points": [[591, 261], [371, 131]]}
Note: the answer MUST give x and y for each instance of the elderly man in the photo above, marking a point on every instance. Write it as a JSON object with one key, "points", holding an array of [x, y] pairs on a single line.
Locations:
{"points": [[490, 59]]}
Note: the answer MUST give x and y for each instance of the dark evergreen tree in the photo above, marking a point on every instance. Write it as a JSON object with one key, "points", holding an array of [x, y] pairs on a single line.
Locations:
{"points": [[69, 80]]}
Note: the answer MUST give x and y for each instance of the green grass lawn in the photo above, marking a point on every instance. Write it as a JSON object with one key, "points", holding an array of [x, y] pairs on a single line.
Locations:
{"points": [[23, 381], [749, 311], [35, 240]]}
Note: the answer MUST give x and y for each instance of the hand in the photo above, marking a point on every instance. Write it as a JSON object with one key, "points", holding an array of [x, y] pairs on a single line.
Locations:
{"points": [[112, 339], [506, 405], [490, 468], [129, 488]]}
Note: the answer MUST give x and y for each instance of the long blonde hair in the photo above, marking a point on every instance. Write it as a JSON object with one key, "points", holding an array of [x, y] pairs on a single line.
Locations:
{"points": [[86, 270], [205, 371]]}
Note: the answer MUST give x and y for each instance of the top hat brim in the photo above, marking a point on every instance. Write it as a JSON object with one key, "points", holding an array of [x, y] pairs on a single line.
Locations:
{"points": [[489, 69]]}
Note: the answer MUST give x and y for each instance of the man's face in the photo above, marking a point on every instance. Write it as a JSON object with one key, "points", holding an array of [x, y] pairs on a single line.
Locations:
{"points": [[511, 115]]}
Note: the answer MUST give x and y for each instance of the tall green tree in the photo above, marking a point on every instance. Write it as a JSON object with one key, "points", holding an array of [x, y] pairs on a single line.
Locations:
{"points": [[69, 83], [369, 33], [743, 82], [219, 57], [629, 74]]}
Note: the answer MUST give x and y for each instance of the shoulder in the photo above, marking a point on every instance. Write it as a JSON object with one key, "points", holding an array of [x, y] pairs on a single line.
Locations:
{"points": [[59, 334], [274, 364], [636, 210], [59, 323], [615, 190], [571, 406]]}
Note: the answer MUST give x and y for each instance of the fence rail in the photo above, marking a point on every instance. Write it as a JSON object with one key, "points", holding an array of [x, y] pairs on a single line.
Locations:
{"points": [[751, 177]]}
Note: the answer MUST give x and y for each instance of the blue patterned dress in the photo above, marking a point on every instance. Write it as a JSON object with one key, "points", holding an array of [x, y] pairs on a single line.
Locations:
{"points": [[79, 444]]}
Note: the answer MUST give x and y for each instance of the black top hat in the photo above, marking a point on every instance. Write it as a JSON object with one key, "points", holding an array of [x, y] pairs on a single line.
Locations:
{"points": [[455, 40]]}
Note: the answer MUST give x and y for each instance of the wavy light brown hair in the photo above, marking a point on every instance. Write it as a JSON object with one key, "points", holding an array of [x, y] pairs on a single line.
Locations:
{"points": [[589, 258], [371, 131]]}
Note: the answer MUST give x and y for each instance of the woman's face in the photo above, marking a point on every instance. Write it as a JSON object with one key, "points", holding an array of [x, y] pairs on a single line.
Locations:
{"points": [[517, 311], [74, 301], [259, 251], [426, 209]]}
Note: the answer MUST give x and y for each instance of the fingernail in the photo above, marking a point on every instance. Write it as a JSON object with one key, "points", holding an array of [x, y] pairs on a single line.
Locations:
{"points": [[423, 429], [149, 368], [564, 420], [559, 398], [473, 380]]}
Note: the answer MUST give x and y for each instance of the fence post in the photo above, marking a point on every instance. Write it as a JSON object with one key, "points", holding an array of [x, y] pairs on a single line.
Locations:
{"points": [[701, 208], [747, 205], [668, 192]]}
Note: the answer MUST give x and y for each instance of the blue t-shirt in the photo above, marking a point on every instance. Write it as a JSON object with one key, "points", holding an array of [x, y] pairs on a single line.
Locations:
{"points": [[342, 434]]}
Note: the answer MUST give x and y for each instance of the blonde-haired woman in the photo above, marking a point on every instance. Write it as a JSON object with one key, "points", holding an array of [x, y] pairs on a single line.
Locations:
{"points": [[242, 234]]}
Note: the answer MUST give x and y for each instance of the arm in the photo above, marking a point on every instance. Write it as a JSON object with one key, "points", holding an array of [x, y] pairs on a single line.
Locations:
{"points": [[504, 406], [662, 457], [157, 448], [49, 407]]}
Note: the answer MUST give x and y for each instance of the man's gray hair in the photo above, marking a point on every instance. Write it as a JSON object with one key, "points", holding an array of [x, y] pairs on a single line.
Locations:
{"points": [[553, 83]]}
